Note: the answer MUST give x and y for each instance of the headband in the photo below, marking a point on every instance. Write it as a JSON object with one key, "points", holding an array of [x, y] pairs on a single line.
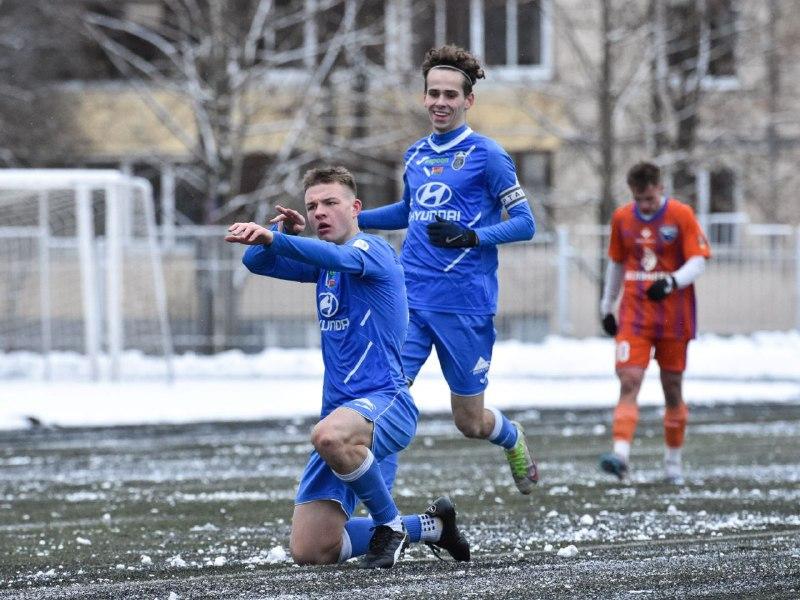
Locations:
{"points": [[452, 68]]}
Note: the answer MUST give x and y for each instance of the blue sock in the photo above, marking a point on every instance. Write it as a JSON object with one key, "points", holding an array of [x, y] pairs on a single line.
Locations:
{"points": [[368, 484], [504, 433], [359, 529], [413, 527]]}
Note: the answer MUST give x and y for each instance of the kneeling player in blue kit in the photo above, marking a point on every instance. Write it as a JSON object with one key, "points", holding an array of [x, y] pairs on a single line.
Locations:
{"points": [[368, 415]]}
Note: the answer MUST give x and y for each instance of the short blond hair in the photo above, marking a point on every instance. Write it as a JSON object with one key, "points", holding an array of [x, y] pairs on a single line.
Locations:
{"points": [[337, 174]]}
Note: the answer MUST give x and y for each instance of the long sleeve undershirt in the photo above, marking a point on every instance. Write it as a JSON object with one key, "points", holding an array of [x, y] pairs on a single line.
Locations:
{"points": [[305, 253], [519, 226], [684, 277]]}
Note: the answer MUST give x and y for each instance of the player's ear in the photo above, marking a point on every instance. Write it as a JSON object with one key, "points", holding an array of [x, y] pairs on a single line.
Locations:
{"points": [[356, 207], [470, 100]]}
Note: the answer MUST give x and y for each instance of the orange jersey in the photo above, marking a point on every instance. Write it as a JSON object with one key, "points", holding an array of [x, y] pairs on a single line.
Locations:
{"points": [[650, 250]]}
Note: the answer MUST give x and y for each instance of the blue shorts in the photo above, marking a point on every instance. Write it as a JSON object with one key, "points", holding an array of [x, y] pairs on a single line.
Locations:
{"points": [[395, 420], [463, 344]]}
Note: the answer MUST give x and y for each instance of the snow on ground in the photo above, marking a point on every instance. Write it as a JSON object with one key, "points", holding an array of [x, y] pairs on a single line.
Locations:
{"points": [[279, 383]]}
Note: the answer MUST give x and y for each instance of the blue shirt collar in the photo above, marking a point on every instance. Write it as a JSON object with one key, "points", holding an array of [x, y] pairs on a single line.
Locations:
{"points": [[440, 139], [655, 215]]}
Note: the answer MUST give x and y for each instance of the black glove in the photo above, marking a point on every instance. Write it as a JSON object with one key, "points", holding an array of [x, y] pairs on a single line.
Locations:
{"points": [[662, 288], [447, 234], [610, 325]]}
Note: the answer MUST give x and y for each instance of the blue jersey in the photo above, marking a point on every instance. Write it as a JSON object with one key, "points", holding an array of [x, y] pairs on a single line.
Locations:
{"points": [[361, 307], [464, 177]]}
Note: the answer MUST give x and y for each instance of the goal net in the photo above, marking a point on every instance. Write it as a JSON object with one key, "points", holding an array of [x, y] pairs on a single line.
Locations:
{"points": [[81, 271]]}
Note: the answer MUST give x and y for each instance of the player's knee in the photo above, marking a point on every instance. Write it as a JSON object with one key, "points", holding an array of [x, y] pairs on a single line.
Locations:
{"points": [[629, 382], [306, 554], [326, 439], [323, 438]]}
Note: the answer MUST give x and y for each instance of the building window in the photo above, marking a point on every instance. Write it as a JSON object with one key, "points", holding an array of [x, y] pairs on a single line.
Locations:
{"points": [[724, 220], [714, 196], [535, 171], [147, 13], [703, 41], [284, 39], [301, 32], [510, 34]]}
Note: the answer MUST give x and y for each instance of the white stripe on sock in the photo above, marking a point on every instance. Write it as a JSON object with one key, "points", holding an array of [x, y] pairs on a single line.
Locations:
{"points": [[363, 468], [498, 422], [622, 449]]}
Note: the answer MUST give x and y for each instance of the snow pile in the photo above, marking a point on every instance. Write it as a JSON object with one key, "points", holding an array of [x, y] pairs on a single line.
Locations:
{"points": [[286, 383]]}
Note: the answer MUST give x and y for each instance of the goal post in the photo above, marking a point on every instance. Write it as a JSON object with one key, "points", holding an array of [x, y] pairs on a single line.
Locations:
{"points": [[81, 268]]}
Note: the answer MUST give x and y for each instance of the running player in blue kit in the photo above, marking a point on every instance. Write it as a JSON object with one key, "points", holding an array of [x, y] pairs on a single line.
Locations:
{"points": [[368, 415], [457, 183]]}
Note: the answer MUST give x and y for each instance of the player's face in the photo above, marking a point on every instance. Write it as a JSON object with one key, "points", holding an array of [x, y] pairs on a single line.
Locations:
{"points": [[648, 200], [445, 101], [332, 211]]}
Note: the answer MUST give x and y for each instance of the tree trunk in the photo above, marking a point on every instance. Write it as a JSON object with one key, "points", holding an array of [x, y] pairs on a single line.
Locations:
{"points": [[607, 138]]}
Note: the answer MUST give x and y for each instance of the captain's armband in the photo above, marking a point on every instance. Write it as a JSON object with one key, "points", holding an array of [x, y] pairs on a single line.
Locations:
{"points": [[512, 196]]}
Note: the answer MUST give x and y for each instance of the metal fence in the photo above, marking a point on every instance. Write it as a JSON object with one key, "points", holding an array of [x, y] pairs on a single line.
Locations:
{"points": [[751, 283], [550, 285]]}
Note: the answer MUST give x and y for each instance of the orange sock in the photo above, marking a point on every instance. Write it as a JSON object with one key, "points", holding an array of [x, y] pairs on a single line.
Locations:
{"points": [[675, 425], [626, 416]]}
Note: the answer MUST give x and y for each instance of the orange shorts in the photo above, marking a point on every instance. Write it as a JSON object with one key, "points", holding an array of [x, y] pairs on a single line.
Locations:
{"points": [[635, 351]]}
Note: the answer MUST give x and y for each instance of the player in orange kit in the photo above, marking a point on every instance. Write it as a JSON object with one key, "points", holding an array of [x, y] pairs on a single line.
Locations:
{"points": [[658, 249]]}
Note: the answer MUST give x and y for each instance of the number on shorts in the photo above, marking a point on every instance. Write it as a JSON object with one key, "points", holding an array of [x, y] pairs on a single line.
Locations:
{"points": [[623, 351]]}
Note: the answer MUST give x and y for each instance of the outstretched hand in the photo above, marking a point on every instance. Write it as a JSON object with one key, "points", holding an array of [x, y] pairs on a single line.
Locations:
{"points": [[249, 234], [449, 234], [289, 221]]}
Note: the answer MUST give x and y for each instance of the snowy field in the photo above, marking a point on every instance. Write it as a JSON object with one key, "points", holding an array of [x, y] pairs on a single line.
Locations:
{"points": [[558, 373], [203, 511], [147, 489]]}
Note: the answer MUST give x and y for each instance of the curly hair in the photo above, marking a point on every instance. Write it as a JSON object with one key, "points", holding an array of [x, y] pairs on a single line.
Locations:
{"points": [[336, 174], [457, 58], [643, 174]]}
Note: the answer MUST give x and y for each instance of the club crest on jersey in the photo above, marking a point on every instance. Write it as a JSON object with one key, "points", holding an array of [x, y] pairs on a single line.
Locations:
{"points": [[668, 233], [458, 160], [328, 304], [434, 194], [330, 279]]}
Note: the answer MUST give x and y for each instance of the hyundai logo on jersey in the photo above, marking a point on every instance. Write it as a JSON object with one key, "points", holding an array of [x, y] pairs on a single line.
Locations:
{"points": [[328, 304], [434, 194]]}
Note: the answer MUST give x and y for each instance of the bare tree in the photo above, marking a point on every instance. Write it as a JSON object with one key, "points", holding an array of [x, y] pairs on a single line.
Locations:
{"points": [[599, 84], [252, 72], [693, 41], [600, 75], [235, 61]]}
